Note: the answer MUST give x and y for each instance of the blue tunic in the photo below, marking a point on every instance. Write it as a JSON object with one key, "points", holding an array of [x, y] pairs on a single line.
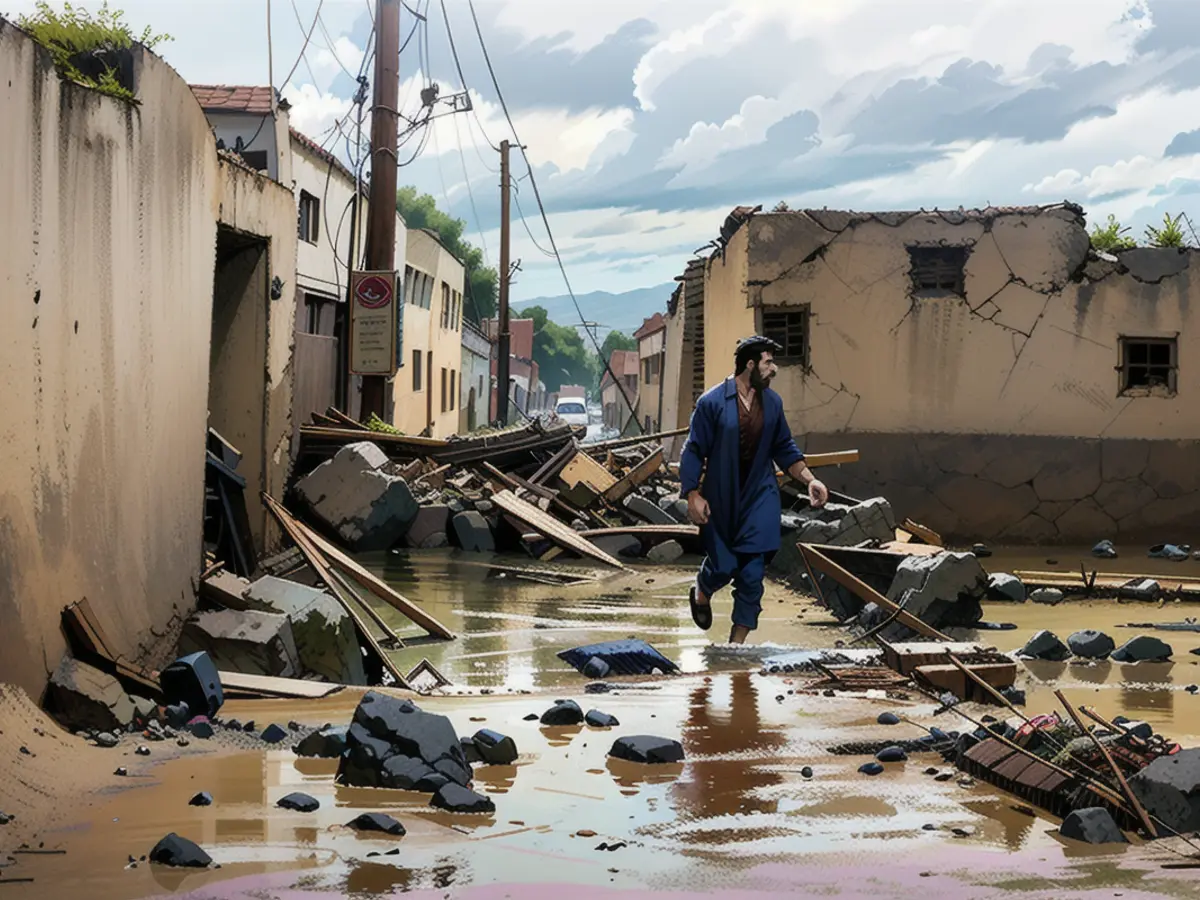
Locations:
{"points": [[742, 519]]}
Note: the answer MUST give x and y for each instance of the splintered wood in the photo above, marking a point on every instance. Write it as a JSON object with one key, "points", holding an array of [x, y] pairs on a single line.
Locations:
{"points": [[551, 528]]}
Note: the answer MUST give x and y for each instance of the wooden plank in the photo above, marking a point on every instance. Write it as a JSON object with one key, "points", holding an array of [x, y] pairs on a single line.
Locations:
{"points": [[377, 587], [388, 634], [555, 463], [684, 531], [582, 467], [344, 420], [928, 535], [813, 460], [639, 474], [602, 446], [820, 561], [270, 686], [551, 528]]}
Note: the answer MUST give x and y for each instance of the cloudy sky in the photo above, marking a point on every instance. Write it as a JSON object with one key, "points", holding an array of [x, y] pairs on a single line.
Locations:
{"points": [[647, 120]]}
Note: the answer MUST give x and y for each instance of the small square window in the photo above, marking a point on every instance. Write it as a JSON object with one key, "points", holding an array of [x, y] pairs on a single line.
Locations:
{"points": [[938, 271], [1148, 367], [789, 329]]}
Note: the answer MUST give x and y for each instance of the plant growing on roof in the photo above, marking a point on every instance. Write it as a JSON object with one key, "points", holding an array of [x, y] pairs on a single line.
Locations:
{"points": [[1112, 236], [1169, 235], [86, 49]]}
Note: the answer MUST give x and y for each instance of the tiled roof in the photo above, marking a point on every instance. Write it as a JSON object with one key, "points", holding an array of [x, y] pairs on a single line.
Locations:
{"points": [[650, 326], [320, 152], [234, 98]]}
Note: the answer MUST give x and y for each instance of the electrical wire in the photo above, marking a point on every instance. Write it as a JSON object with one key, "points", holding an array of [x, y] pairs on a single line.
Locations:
{"points": [[307, 38], [545, 219]]}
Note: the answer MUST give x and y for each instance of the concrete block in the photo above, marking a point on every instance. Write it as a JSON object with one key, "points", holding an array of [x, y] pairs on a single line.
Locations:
{"points": [[645, 509], [430, 522], [1169, 788], [473, 534], [81, 697], [255, 643], [665, 553]]}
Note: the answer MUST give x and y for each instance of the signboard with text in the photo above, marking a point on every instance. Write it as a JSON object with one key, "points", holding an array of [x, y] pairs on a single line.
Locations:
{"points": [[373, 312]]}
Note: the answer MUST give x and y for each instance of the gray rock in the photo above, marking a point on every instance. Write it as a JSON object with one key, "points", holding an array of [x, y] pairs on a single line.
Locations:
{"points": [[871, 768], [1005, 588], [1045, 645], [81, 697], [1090, 644], [597, 719], [144, 711], [299, 802], [201, 729], [107, 740], [1104, 550], [1143, 648], [435, 541], [665, 553], [563, 712], [596, 668], [201, 799], [485, 507], [1094, 825], [470, 751], [943, 590], [255, 643], [272, 734], [408, 774], [377, 822], [385, 727], [644, 748], [325, 637], [1142, 730], [1144, 589], [644, 509], [620, 545], [1169, 788], [494, 748], [431, 522], [891, 755], [177, 714], [352, 494], [887, 718], [678, 510], [473, 534], [174, 850], [458, 799], [1013, 695], [1047, 596], [326, 743]]}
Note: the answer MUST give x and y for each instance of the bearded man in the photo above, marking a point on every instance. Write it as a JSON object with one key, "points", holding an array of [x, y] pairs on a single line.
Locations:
{"points": [[737, 436]]}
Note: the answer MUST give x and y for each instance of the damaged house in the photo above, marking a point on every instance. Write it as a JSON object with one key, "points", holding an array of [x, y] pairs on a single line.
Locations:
{"points": [[1002, 380]]}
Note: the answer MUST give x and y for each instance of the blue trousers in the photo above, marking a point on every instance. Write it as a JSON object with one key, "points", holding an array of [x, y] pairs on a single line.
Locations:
{"points": [[746, 571]]}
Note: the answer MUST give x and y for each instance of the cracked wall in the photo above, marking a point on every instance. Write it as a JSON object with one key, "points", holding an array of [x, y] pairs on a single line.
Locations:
{"points": [[1024, 359]]}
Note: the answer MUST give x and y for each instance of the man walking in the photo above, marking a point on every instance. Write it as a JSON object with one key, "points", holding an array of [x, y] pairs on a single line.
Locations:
{"points": [[738, 436]]}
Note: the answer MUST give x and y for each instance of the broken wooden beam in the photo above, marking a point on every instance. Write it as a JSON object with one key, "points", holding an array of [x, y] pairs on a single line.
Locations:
{"points": [[636, 476], [268, 686], [551, 528], [582, 468]]}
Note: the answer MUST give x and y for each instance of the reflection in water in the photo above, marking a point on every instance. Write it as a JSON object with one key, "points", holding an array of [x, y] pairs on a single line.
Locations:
{"points": [[1017, 825], [723, 786], [499, 779], [1097, 673], [631, 775], [560, 735]]}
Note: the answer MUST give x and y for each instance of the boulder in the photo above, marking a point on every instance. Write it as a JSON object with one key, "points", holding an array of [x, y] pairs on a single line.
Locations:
{"points": [[891, 755], [1169, 788], [1094, 825], [887, 718], [272, 734], [644, 748], [326, 743], [871, 768], [405, 773], [470, 751], [354, 495], [1005, 588], [563, 712], [299, 802], [596, 668], [392, 740], [194, 682], [201, 728], [597, 719], [494, 748], [1143, 648], [1045, 645], [665, 553], [1047, 596], [870, 520], [1090, 644], [644, 509], [430, 524], [619, 545], [472, 532], [326, 641], [943, 590], [678, 510], [81, 697], [256, 643], [377, 822], [174, 850], [458, 799]]}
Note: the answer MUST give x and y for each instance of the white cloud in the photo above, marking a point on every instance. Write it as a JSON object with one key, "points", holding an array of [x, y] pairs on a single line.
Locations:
{"points": [[312, 112], [345, 54], [706, 141]]}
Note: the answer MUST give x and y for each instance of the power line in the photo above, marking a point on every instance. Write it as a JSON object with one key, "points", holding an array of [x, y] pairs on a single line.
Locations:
{"points": [[307, 38], [470, 193], [545, 219]]}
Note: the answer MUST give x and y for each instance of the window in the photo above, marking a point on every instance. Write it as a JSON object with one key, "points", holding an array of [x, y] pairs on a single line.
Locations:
{"points": [[789, 329], [408, 284], [445, 305], [650, 368], [310, 217], [255, 159], [938, 271], [453, 385], [320, 315], [416, 367], [1147, 366], [427, 292], [443, 389]]}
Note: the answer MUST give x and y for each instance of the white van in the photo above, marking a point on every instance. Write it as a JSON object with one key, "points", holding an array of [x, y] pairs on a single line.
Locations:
{"points": [[572, 411]]}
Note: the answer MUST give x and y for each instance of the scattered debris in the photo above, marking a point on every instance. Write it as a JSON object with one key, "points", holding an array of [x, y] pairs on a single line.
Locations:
{"points": [[377, 822], [563, 712], [628, 657], [1143, 648], [597, 719], [645, 748], [201, 799], [328, 742], [299, 802], [174, 850], [458, 799]]}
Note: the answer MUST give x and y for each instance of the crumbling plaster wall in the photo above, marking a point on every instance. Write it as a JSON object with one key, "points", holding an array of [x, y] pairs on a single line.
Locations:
{"points": [[728, 316], [107, 277], [998, 415], [677, 361]]}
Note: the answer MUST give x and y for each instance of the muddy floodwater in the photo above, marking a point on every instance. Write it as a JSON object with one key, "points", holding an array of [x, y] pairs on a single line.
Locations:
{"points": [[736, 819]]}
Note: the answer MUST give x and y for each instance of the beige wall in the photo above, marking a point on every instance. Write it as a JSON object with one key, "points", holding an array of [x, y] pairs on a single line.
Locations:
{"points": [[676, 411], [319, 267], [108, 275], [727, 318]]}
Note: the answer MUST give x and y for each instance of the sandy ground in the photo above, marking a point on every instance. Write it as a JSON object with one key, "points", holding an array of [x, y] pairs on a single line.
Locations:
{"points": [[737, 819]]}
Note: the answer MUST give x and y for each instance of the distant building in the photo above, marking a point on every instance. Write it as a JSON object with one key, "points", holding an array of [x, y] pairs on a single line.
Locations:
{"points": [[527, 393], [650, 364], [616, 408], [476, 380]]}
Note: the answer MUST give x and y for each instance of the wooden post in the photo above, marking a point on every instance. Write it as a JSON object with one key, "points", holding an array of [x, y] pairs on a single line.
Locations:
{"points": [[503, 336]]}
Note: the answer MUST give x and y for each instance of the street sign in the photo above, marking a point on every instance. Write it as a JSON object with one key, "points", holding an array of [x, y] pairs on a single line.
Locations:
{"points": [[373, 312]]}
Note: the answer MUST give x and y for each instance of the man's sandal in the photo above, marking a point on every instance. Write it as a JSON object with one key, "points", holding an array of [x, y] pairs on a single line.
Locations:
{"points": [[701, 613]]}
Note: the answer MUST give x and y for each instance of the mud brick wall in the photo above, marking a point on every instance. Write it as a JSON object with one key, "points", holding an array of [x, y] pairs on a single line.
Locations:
{"points": [[1026, 489]]}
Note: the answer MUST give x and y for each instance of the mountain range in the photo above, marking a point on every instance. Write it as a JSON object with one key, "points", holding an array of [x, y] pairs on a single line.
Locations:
{"points": [[619, 312]]}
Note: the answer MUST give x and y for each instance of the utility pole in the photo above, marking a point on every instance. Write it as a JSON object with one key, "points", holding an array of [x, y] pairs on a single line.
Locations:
{"points": [[381, 217], [503, 348]]}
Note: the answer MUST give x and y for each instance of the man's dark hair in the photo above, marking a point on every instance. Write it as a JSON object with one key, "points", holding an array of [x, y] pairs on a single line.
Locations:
{"points": [[751, 349]]}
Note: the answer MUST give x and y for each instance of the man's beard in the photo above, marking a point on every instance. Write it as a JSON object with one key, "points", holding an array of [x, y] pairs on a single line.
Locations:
{"points": [[757, 381]]}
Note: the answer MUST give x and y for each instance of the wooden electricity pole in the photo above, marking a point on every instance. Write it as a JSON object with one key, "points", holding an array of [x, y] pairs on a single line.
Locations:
{"points": [[380, 249], [504, 337]]}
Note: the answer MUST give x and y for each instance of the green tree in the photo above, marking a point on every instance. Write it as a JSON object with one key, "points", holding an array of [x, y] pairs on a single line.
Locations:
{"points": [[482, 282], [559, 352], [1112, 236], [616, 340]]}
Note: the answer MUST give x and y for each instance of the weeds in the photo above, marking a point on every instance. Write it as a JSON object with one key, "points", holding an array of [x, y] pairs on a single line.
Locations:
{"points": [[74, 31], [1112, 237], [1169, 235]]}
